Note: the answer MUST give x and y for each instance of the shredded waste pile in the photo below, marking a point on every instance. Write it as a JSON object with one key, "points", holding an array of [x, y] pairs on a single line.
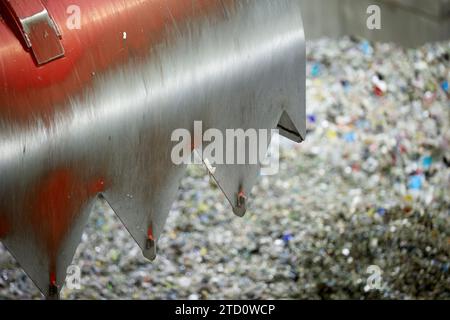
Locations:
{"points": [[360, 210]]}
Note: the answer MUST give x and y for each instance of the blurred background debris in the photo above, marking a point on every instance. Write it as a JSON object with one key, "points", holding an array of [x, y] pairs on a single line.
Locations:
{"points": [[369, 187]]}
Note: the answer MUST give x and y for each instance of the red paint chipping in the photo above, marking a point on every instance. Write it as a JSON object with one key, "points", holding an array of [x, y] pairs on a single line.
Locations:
{"points": [[150, 233], [53, 278], [97, 186]]}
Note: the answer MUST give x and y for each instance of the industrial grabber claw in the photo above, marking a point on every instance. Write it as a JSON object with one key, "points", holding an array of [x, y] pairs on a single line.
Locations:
{"points": [[89, 110]]}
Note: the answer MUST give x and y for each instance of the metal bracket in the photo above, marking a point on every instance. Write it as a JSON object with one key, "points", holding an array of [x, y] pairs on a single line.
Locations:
{"points": [[38, 29]]}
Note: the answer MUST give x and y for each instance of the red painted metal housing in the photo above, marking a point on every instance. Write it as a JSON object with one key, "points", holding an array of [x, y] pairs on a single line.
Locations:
{"points": [[28, 91]]}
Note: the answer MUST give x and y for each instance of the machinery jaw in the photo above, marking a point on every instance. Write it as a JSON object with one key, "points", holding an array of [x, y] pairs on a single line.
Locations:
{"points": [[230, 64]]}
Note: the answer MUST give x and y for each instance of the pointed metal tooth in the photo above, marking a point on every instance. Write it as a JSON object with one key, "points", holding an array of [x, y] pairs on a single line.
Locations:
{"points": [[133, 209], [29, 250], [290, 130], [241, 207]]}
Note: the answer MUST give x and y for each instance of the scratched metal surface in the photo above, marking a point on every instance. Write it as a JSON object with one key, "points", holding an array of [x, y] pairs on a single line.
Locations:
{"points": [[99, 121]]}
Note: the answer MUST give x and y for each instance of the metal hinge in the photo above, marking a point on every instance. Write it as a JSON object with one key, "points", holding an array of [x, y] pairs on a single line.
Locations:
{"points": [[38, 29]]}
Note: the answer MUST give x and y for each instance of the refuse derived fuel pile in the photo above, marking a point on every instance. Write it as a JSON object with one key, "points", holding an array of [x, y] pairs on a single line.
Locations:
{"points": [[369, 186], [91, 111]]}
